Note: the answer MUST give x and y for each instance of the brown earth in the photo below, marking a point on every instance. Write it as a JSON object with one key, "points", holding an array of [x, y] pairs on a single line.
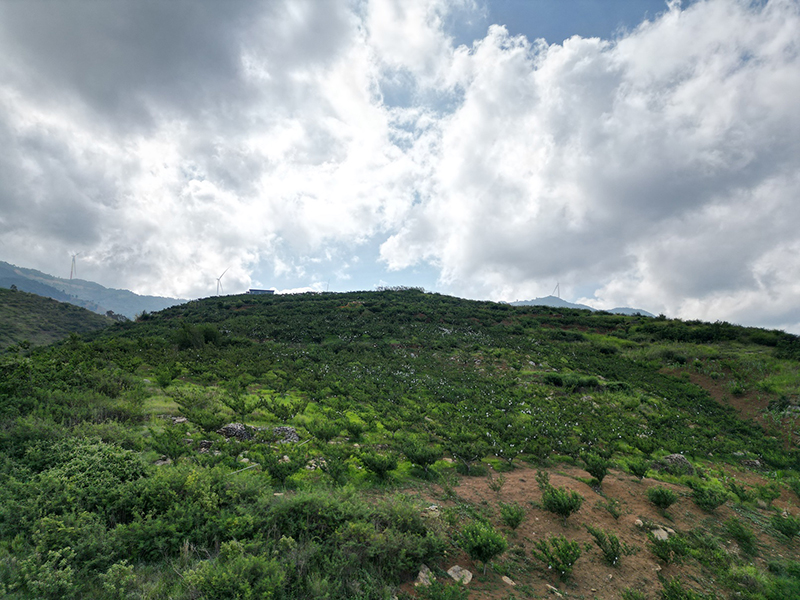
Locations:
{"points": [[592, 577]]}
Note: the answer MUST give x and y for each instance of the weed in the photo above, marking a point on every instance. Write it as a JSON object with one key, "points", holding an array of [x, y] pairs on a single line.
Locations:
{"points": [[614, 507], [495, 483], [558, 553]]}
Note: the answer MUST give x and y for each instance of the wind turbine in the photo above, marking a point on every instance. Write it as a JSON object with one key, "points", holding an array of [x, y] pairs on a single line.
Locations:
{"points": [[219, 282], [73, 270]]}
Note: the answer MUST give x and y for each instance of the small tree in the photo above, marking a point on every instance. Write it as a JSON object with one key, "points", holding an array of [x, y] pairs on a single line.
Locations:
{"points": [[560, 501], [609, 545], [558, 553], [481, 542], [596, 465], [639, 467], [662, 497], [380, 464]]}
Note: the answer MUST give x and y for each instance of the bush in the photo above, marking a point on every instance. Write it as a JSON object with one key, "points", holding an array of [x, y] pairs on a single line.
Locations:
{"points": [[377, 463], [788, 525], [443, 591], [420, 453], [596, 465], [481, 542], [709, 498], [662, 497], [610, 545], [743, 535], [512, 514], [639, 467], [674, 590], [558, 500], [670, 550], [558, 553]]}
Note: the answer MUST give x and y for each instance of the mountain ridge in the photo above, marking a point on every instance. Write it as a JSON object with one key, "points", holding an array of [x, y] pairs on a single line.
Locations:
{"points": [[557, 302]]}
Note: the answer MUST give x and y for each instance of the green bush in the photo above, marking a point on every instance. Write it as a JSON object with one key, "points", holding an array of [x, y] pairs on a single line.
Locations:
{"points": [[420, 453], [560, 501], [671, 550], [596, 465], [674, 590], [610, 545], [709, 498], [443, 591], [639, 467], [481, 542], [662, 497], [743, 535], [788, 526], [512, 514], [558, 553], [379, 463]]}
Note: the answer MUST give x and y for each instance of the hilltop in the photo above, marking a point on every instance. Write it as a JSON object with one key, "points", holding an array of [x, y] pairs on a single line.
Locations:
{"points": [[87, 294], [31, 319], [556, 302], [329, 445]]}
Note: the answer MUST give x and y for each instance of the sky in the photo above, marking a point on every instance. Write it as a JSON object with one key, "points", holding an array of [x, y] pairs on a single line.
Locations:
{"points": [[633, 152]]}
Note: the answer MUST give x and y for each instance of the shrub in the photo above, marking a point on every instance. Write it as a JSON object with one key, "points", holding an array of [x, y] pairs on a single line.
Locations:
{"points": [[662, 497], [443, 591], [420, 453], [741, 492], [596, 465], [378, 463], [788, 525], [323, 429], [743, 535], [512, 514], [670, 550], [674, 590], [558, 500], [558, 553], [639, 467], [709, 498], [482, 542], [610, 545]]}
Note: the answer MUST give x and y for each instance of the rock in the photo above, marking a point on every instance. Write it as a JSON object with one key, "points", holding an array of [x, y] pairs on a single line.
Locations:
{"points": [[460, 574], [660, 534], [286, 435], [424, 577], [284, 459], [761, 504], [639, 523], [178, 420], [753, 464], [554, 591], [236, 430], [674, 464], [508, 581], [205, 444], [668, 530], [163, 461], [431, 512]]}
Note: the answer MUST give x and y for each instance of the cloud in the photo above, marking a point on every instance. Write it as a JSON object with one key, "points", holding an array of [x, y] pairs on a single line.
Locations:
{"points": [[657, 169], [169, 142]]}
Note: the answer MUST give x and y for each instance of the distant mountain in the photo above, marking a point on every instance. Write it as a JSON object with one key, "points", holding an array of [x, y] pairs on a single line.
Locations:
{"points": [[40, 320], [79, 292], [559, 303]]}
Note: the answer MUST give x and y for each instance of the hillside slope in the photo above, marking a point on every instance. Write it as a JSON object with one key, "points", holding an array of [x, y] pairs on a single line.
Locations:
{"points": [[40, 321], [329, 445], [79, 292]]}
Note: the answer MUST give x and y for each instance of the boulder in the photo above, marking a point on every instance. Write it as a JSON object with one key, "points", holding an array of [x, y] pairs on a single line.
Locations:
{"points": [[236, 430], [286, 435], [424, 577], [460, 574], [674, 464]]}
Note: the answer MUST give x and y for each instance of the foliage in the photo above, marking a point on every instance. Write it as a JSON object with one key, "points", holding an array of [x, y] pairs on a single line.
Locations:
{"points": [[662, 497], [512, 514], [379, 463], [788, 525], [610, 545], [709, 498], [596, 465], [670, 550], [420, 453], [743, 535], [673, 590], [560, 501], [443, 591], [481, 542], [639, 467], [558, 553]]}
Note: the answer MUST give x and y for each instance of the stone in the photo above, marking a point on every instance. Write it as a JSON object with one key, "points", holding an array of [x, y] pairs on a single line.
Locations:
{"points": [[674, 464], [761, 504], [668, 530], [508, 581], [753, 464], [554, 591], [460, 574], [236, 430], [424, 577], [286, 435], [639, 523], [179, 420], [660, 534]]}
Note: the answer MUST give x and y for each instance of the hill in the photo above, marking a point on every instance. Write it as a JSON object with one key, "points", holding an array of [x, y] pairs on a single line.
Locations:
{"points": [[79, 292], [329, 445], [556, 302], [36, 320]]}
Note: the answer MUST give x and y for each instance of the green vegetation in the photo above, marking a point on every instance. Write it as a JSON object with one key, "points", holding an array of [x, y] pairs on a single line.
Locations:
{"points": [[117, 481], [662, 497]]}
